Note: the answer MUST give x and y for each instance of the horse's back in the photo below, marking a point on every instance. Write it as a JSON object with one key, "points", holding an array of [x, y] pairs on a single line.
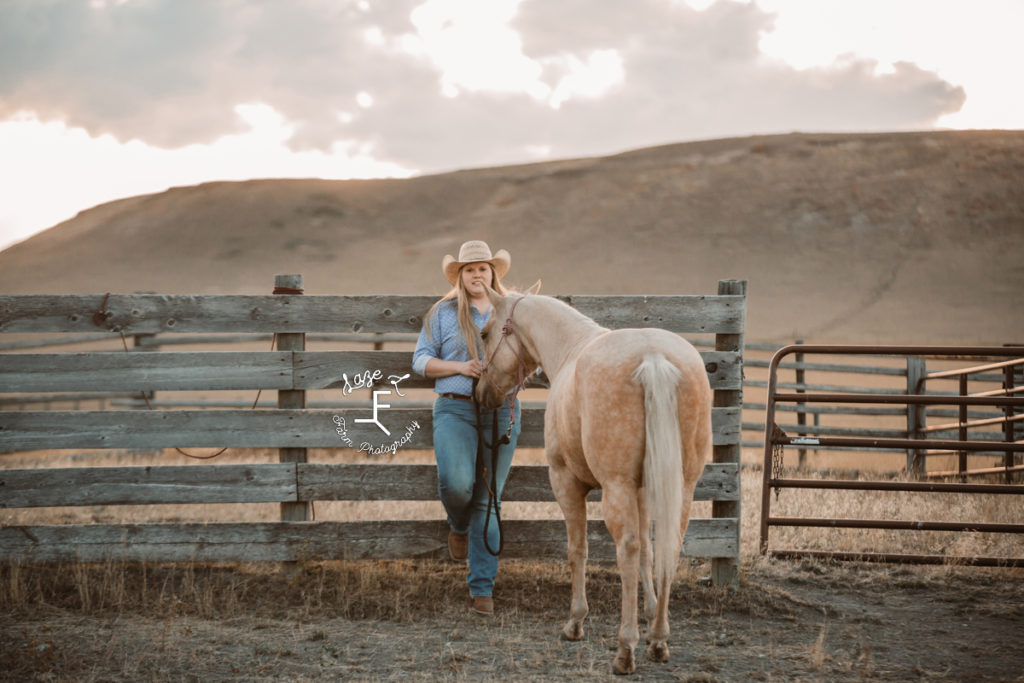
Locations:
{"points": [[619, 352], [610, 402]]}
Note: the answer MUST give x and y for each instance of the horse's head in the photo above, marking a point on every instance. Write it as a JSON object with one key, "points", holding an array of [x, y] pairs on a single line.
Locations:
{"points": [[508, 359]]}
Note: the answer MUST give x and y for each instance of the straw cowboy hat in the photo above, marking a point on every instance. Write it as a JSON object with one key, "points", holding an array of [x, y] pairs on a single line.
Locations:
{"points": [[475, 251]]}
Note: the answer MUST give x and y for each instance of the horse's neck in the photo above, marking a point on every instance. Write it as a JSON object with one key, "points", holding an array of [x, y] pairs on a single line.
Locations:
{"points": [[559, 333]]}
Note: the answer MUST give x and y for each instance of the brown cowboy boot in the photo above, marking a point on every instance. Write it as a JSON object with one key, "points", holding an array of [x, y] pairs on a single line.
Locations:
{"points": [[483, 604], [458, 546]]}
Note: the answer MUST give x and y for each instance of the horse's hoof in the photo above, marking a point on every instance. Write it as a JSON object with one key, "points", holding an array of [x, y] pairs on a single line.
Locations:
{"points": [[624, 664], [573, 631], [658, 652]]}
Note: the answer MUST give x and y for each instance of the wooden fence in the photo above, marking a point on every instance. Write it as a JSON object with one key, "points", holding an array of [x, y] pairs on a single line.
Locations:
{"points": [[866, 374], [292, 427]]}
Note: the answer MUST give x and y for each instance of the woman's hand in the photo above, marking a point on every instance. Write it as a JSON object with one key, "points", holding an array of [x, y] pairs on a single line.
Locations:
{"points": [[471, 368]]}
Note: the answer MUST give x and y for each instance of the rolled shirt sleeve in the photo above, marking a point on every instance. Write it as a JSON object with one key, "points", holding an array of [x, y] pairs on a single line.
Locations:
{"points": [[445, 343], [425, 350]]}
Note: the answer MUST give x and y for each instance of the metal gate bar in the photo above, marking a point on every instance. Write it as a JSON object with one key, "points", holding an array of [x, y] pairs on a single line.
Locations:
{"points": [[914, 486], [905, 525], [774, 437], [903, 558], [962, 374]]}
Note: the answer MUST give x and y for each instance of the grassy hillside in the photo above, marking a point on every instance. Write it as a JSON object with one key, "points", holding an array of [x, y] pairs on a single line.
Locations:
{"points": [[913, 237]]}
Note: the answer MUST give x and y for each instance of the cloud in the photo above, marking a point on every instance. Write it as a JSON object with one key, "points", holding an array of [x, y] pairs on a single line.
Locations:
{"points": [[436, 84]]}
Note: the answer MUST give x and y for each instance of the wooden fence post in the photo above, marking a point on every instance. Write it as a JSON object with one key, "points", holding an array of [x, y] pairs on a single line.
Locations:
{"points": [[916, 369], [139, 345], [725, 571], [291, 285], [801, 416]]}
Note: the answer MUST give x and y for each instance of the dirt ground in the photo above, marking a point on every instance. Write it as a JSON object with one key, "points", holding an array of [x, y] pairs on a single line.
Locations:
{"points": [[787, 621]]}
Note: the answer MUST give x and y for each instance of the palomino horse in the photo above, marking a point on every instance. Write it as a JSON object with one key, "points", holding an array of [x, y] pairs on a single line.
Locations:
{"points": [[629, 412]]}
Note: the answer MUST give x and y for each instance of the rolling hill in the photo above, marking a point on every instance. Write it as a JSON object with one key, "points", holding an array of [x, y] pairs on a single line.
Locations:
{"points": [[874, 238]]}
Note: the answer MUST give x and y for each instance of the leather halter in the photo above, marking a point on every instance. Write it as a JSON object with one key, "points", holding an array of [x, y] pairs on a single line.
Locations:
{"points": [[507, 330]]}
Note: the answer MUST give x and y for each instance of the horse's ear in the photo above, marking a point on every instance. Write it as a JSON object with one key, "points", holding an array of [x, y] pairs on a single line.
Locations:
{"points": [[492, 295], [535, 288]]}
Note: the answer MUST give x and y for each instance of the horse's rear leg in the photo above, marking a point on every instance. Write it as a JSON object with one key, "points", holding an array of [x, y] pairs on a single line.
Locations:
{"points": [[646, 561], [572, 498], [622, 517]]}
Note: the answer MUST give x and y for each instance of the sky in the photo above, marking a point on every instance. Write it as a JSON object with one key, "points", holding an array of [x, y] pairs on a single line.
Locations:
{"points": [[104, 99]]}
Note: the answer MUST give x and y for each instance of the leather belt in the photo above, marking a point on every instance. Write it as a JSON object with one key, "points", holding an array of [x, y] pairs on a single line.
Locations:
{"points": [[460, 397]]}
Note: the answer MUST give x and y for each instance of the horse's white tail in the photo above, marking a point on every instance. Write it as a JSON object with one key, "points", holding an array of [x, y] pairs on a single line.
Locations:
{"points": [[663, 464]]}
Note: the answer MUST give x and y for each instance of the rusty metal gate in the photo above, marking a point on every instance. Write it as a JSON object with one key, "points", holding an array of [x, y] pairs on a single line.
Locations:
{"points": [[920, 442]]}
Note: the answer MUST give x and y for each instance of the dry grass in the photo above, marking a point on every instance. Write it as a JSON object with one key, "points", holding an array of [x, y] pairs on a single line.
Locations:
{"points": [[804, 620]]}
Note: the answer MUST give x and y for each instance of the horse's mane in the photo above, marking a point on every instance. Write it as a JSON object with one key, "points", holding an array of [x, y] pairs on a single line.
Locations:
{"points": [[568, 308]]}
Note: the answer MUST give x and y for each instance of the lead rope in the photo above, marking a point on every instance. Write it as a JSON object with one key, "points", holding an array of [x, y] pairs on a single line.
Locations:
{"points": [[492, 488], [493, 503]]}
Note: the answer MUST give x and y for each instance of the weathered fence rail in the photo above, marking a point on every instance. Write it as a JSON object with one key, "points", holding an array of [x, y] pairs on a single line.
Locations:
{"points": [[292, 371], [297, 483], [272, 428], [367, 314]]}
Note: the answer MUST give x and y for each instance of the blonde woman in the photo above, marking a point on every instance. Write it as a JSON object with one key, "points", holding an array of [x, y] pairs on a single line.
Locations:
{"points": [[449, 350]]}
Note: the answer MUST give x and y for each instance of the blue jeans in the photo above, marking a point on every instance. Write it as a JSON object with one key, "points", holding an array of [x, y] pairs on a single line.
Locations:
{"points": [[463, 495]]}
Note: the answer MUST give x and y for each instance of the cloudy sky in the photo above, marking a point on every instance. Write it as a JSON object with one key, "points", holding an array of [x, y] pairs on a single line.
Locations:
{"points": [[104, 99]]}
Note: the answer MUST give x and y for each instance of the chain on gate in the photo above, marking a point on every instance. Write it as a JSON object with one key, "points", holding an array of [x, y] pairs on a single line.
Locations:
{"points": [[778, 452]]}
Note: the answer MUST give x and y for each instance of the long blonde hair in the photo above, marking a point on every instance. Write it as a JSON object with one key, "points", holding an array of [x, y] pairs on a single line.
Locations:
{"points": [[470, 332]]}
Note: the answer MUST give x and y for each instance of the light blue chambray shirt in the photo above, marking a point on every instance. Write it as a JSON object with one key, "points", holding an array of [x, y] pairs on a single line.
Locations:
{"points": [[446, 343]]}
